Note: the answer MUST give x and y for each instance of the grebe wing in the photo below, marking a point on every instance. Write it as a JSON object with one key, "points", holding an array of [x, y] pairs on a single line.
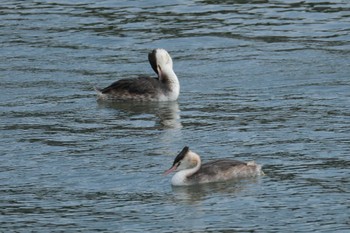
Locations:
{"points": [[222, 165], [140, 85]]}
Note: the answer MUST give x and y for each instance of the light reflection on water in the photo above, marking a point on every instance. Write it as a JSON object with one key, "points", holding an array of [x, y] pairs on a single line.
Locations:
{"points": [[260, 80]]}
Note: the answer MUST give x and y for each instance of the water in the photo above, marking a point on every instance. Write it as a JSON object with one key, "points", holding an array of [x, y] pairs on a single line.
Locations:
{"points": [[260, 80]]}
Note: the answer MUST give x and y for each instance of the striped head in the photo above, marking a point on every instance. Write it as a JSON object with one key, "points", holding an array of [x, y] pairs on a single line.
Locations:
{"points": [[184, 160]]}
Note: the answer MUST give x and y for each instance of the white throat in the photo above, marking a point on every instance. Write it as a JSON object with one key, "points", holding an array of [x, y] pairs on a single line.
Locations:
{"points": [[169, 78]]}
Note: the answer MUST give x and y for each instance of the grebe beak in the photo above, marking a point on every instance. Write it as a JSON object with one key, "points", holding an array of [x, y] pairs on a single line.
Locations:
{"points": [[173, 168]]}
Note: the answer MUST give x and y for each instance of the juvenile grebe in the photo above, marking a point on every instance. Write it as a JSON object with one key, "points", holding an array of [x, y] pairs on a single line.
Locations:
{"points": [[164, 88], [190, 171]]}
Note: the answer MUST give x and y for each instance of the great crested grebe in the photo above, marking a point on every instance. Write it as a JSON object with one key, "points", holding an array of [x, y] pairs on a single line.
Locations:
{"points": [[164, 88], [191, 171]]}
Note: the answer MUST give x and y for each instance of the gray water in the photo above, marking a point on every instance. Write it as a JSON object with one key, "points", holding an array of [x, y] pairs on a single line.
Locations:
{"points": [[263, 80]]}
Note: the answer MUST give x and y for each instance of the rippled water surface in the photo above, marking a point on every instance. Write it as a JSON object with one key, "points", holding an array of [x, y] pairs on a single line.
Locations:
{"points": [[263, 80]]}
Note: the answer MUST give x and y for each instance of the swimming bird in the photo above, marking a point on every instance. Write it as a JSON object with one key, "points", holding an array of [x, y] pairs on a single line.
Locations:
{"points": [[164, 88], [191, 171]]}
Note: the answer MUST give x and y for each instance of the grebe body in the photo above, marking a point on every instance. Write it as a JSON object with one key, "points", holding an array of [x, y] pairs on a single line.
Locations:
{"points": [[165, 87], [190, 170]]}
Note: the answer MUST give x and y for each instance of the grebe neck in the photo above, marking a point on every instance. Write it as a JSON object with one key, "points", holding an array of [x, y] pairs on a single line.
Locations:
{"points": [[168, 76], [171, 85]]}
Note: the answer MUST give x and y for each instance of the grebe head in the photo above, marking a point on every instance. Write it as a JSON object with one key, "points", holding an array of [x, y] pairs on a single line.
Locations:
{"points": [[160, 60], [184, 160]]}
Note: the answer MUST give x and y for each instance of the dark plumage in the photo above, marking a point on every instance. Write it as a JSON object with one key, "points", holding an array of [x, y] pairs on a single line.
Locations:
{"points": [[181, 155], [140, 86]]}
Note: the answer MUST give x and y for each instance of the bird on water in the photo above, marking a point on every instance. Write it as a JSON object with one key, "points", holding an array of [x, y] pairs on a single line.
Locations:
{"points": [[190, 170], [165, 87]]}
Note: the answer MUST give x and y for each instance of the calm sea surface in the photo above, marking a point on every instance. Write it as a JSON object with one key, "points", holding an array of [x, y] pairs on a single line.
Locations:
{"points": [[263, 80]]}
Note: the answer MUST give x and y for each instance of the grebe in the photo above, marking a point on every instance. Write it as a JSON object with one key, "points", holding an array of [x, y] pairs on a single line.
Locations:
{"points": [[190, 171], [164, 88]]}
